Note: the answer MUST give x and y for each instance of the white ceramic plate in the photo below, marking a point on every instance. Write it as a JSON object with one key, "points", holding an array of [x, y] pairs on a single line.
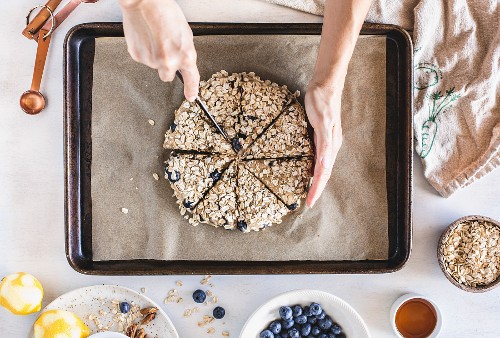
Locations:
{"points": [[90, 300], [340, 312]]}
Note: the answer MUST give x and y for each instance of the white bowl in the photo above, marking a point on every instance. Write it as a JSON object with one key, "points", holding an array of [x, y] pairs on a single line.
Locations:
{"points": [[341, 312], [403, 299]]}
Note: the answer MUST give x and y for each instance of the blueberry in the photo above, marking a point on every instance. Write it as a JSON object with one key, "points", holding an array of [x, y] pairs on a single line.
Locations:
{"points": [[315, 331], [286, 324], [173, 126], [241, 226], [312, 320], [285, 312], [306, 329], [336, 329], [307, 311], [124, 307], [323, 335], [187, 204], [301, 319], [275, 327], [325, 323], [266, 334], [315, 309], [241, 135], [235, 143], [219, 312], [173, 176], [322, 315], [293, 333], [199, 296], [297, 310], [292, 206], [215, 175]]}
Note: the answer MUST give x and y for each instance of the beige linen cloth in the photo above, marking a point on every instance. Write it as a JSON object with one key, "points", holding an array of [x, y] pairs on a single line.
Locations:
{"points": [[456, 89]]}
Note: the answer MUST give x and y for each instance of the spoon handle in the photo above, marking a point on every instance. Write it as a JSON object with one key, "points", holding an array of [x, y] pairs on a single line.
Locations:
{"points": [[41, 56], [60, 16], [39, 20]]}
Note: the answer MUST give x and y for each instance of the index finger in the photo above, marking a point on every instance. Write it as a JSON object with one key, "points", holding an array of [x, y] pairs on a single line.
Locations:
{"points": [[328, 145], [191, 77]]}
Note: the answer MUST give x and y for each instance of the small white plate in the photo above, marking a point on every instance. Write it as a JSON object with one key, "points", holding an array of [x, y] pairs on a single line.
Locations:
{"points": [[342, 313], [91, 299]]}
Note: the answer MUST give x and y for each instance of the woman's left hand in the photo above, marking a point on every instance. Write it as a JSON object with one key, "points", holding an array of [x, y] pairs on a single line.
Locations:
{"points": [[322, 105]]}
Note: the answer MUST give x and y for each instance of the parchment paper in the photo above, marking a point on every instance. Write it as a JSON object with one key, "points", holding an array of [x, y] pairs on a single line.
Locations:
{"points": [[349, 222]]}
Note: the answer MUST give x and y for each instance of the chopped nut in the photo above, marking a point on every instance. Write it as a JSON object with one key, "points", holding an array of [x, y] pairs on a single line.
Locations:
{"points": [[148, 310], [146, 320]]}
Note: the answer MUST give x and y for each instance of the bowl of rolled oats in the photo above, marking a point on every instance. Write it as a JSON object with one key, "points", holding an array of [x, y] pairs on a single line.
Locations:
{"points": [[469, 253]]}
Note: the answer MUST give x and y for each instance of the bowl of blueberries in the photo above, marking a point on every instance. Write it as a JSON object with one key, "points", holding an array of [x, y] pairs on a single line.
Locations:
{"points": [[305, 313]]}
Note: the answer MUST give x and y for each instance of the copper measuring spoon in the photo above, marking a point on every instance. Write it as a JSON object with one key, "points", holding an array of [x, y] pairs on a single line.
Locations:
{"points": [[64, 13]]}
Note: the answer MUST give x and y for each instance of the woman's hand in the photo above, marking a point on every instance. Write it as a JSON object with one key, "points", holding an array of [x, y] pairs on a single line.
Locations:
{"points": [[322, 105], [159, 36]]}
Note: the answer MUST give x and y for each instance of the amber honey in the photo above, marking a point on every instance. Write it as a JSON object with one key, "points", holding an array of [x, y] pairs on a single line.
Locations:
{"points": [[416, 318]]}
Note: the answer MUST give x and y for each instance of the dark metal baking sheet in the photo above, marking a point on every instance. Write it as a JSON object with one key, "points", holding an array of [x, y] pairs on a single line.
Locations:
{"points": [[79, 49]]}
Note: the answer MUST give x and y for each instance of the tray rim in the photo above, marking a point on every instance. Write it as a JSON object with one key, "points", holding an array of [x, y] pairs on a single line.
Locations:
{"points": [[72, 209]]}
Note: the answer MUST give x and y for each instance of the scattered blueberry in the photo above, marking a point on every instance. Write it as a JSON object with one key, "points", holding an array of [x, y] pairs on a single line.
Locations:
{"points": [[241, 226], [219, 312], [199, 296], [293, 333], [124, 307], [173, 126], [306, 329], [315, 331], [322, 315], [285, 312], [315, 309], [286, 324], [215, 175], [275, 327], [297, 310], [336, 329], [266, 334], [301, 319], [325, 323], [187, 204], [235, 143], [173, 176], [292, 206], [312, 320]]}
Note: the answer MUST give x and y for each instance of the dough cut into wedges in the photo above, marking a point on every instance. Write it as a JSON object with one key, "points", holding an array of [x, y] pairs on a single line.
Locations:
{"points": [[288, 179], [191, 175], [218, 207], [287, 137], [192, 132], [258, 207], [261, 102]]}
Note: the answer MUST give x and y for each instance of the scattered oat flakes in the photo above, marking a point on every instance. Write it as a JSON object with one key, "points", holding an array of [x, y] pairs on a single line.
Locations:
{"points": [[125, 210], [211, 330], [225, 334], [151, 122], [155, 175], [179, 283], [143, 290]]}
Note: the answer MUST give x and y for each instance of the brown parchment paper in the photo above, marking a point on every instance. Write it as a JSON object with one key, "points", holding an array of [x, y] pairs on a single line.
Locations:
{"points": [[349, 222]]}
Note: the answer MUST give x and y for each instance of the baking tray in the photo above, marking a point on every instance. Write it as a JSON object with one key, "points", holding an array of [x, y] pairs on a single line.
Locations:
{"points": [[79, 49]]}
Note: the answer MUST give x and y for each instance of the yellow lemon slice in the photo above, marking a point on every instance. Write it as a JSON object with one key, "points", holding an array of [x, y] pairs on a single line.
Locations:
{"points": [[60, 324], [21, 293]]}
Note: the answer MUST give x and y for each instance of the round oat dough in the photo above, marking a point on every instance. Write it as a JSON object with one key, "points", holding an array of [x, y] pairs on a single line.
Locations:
{"points": [[249, 188]]}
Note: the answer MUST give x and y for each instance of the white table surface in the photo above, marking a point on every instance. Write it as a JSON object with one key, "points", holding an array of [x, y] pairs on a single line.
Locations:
{"points": [[32, 196]]}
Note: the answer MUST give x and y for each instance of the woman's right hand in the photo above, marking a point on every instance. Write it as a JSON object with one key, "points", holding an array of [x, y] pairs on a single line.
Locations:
{"points": [[159, 36]]}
